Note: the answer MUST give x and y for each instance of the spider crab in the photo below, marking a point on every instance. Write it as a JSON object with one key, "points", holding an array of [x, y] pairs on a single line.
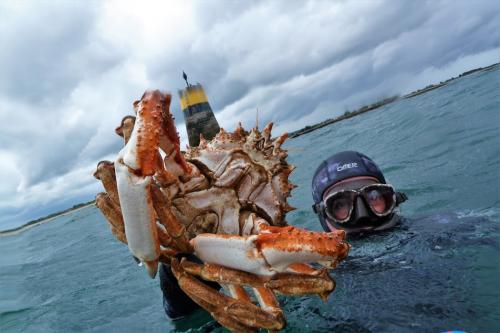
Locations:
{"points": [[224, 201]]}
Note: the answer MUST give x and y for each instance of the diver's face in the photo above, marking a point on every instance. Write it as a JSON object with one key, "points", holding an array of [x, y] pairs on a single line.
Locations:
{"points": [[360, 216]]}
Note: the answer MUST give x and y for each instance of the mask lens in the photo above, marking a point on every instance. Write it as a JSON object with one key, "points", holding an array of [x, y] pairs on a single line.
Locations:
{"points": [[339, 206], [380, 199]]}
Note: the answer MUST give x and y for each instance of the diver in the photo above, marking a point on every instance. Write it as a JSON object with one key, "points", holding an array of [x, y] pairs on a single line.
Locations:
{"points": [[351, 193]]}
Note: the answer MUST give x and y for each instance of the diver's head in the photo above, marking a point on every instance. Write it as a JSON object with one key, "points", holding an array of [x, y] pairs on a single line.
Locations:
{"points": [[350, 192]]}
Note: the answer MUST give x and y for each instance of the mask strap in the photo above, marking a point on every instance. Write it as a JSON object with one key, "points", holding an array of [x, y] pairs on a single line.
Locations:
{"points": [[317, 209], [400, 198]]}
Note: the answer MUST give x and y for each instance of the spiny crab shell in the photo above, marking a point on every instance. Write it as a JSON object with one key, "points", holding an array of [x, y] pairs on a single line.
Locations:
{"points": [[244, 172], [224, 200]]}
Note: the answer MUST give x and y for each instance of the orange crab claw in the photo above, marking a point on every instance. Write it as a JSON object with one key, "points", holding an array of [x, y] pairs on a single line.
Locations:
{"points": [[273, 250]]}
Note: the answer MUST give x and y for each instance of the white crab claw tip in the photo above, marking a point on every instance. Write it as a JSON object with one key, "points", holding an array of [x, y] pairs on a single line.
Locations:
{"points": [[152, 268], [327, 264]]}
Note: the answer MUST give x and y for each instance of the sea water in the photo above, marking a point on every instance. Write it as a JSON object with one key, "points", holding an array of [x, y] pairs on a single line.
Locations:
{"points": [[438, 271]]}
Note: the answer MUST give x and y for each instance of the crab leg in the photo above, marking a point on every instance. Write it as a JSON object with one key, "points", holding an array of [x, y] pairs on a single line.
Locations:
{"points": [[302, 284], [237, 292], [113, 215], [265, 297], [105, 172], [269, 303], [126, 127], [174, 228], [237, 315], [314, 282]]}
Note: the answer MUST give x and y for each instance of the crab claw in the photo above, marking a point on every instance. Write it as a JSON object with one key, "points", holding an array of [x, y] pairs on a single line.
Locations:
{"points": [[137, 162], [272, 251], [138, 216], [140, 152]]}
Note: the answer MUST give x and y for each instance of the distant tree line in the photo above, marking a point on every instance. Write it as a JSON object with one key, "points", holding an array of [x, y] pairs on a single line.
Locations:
{"points": [[347, 114], [442, 83], [50, 216], [385, 101]]}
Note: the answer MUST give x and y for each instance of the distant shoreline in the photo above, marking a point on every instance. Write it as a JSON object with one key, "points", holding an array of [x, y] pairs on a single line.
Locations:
{"points": [[305, 130], [31, 224], [376, 105]]}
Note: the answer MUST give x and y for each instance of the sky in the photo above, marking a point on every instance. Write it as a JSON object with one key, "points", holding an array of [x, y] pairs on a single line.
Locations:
{"points": [[70, 71]]}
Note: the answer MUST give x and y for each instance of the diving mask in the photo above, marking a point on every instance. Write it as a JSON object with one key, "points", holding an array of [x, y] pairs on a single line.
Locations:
{"points": [[379, 199]]}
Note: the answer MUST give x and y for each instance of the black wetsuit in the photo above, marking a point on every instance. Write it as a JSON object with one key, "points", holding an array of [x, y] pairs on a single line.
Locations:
{"points": [[175, 302]]}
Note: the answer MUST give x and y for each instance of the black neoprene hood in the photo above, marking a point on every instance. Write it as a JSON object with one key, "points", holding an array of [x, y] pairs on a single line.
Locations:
{"points": [[343, 165]]}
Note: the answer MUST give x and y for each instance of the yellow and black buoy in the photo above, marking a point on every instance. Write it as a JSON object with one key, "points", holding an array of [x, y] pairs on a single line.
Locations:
{"points": [[198, 114]]}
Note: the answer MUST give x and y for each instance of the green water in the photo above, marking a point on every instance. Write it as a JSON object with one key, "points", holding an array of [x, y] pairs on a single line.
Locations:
{"points": [[438, 271]]}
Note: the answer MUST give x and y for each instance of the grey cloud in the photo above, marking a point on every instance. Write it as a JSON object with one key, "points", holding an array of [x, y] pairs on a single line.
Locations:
{"points": [[41, 47]]}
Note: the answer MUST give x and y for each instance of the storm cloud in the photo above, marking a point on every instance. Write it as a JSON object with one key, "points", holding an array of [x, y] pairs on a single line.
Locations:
{"points": [[69, 71]]}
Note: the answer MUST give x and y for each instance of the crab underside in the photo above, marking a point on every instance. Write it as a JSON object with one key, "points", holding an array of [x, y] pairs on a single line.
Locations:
{"points": [[224, 201]]}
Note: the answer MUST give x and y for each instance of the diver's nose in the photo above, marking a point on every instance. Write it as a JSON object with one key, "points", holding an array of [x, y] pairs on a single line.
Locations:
{"points": [[361, 211]]}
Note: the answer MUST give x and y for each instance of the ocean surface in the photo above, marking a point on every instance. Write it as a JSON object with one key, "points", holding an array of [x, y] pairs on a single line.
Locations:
{"points": [[438, 271]]}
